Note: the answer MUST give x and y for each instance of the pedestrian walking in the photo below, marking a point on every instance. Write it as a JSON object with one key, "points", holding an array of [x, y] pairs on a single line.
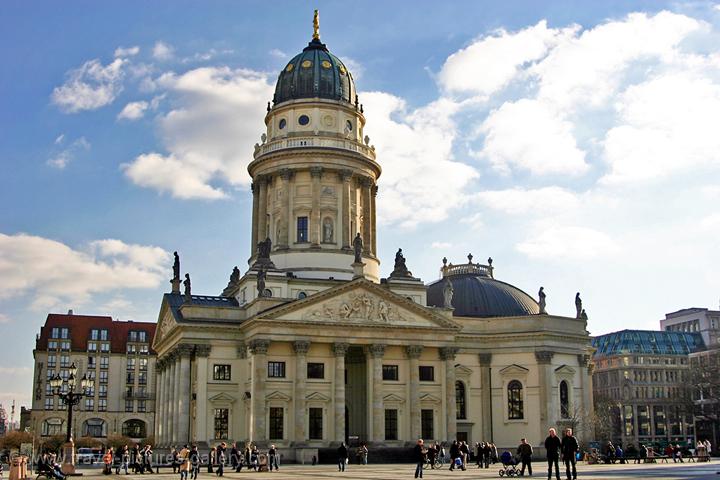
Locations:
{"points": [[552, 447], [273, 458], [220, 455], [183, 460], [175, 460], [107, 460], [342, 453], [194, 462], [569, 446], [525, 452], [147, 454], [418, 458], [454, 453]]}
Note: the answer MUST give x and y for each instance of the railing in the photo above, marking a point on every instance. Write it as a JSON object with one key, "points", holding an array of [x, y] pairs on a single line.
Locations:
{"points": [[137, 396], [314, 142], [468, 268]]}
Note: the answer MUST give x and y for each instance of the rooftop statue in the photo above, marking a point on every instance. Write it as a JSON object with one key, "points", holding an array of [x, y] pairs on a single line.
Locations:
{"points": [[186, 283], [541, 302], [261, 274], [448, 293], [316, 25], [264, 248], [176, 266], [235, 275], [583, 315], [358, 246], [578, 306]]}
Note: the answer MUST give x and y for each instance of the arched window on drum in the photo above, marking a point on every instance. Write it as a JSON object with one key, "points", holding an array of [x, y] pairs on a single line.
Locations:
{"points": [[515, 400]]}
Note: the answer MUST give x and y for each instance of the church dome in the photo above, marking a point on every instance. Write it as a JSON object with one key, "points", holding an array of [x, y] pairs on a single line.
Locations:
{"points": [[315, 73], [477, 294]]}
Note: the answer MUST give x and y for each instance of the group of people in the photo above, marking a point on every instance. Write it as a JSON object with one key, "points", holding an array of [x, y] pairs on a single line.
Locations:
{"points": [[138, 459], [485, 453], [48, 464], [186, 461]]}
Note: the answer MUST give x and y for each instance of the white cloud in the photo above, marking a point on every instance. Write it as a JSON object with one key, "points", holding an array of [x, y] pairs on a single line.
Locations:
{"points": [[133, 110], [354, 67], [53, 273], [415, 145], [68, 154], [520, 201], [162, 51], [491, 62], [567, 242], [529, 135], [441, 245], [90, 87], [127, 52], [209, 136], [277, 53]]}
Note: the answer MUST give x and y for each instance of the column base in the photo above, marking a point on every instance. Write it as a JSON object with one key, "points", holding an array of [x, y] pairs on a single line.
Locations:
{"points": [[68, 465]]}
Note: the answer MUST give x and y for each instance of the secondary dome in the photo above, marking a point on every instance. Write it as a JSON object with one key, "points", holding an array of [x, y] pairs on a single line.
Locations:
{"points": [[315, 73], [477, 294]]}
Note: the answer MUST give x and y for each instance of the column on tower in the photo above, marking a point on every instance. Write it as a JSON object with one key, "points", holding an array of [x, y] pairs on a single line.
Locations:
{"points": [[175, 385], [159, 425], [413, 353], [340, 350], [285, 239], [373, 224], [183, 400], [262, 233], [202, 352], [377, 412], [301, 348], [447, 354], [345, 217], [544, 359], [258, 349], [255, 187], [315, 220], [368, 213], [485, 393]]}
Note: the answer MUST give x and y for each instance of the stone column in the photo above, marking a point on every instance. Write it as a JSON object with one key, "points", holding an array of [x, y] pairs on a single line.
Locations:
{"points": [[485, 360], [586, 369], [301, 348], [167, 398], [544, 359], [285, 239], [377, 413], [159, 429], [413, 353], [262, 232], [255, 187], [173, 385], [259, 348], [339, 350], [366, 184], [373, 225], [184, 352], [345, 223], [315, 220], [448, 355], [202, 352]]}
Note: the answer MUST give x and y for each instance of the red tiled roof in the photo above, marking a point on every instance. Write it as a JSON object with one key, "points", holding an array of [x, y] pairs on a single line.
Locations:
{"points": [[81, 325]]}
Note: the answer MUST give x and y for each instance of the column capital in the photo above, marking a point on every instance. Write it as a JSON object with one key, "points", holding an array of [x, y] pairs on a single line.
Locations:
{"points": [[301, 347], [413, 351], [286, 173], [160, 365], [184, 350], [376, 350], [259, 346], [544, 357], [374, 190], [262, 179], [340, 349], [365, 181], [583, 359], [345, 175], [485, 359], [316, 172], [448, 353], [242, 350], [202, 350]]}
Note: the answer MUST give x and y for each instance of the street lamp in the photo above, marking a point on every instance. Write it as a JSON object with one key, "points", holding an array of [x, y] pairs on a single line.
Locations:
{"points": [[70, 397]]}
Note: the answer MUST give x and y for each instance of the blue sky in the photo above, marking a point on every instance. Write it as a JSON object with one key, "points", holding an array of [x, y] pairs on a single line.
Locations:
{"points": [[574, 142]]}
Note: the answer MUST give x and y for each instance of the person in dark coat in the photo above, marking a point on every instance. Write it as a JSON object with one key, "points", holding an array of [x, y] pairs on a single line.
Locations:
{"points": [[194, 462], [175, 460], [234, 457], [342, 453], [454, 453], [569, 447], [552, 447], [525, 452], [220, 455], [418, 458]]}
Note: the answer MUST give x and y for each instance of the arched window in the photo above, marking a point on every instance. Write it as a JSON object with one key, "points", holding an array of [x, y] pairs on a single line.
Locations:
{"points": [[564, 400], [94, 427], [52, 426], [460, 400], [134, 429], [515, 400]]}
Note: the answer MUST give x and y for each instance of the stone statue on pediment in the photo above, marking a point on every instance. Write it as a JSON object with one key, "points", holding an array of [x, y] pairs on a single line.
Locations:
{"points": [[400, 269], [541, 300], [578, 306], [448, 292], [188, 293], [358, 247]]}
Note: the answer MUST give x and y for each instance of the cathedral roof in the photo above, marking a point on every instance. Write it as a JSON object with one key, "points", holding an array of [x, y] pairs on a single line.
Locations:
{"points": [[477, 294], [315, 73]]}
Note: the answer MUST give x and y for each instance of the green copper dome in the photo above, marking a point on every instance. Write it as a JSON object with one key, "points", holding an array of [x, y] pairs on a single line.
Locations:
{"points": [[315, 73]]}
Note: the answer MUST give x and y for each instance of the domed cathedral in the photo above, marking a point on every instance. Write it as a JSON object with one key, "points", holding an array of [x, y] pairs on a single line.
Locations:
{"points": [[309, 347]]}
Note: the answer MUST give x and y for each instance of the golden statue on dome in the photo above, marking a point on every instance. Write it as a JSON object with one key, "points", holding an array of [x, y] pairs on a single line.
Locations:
{"points": [[316, 25]]}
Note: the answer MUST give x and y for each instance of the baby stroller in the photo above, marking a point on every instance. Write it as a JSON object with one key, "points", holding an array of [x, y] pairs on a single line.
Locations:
{"points": [[509, 465]]}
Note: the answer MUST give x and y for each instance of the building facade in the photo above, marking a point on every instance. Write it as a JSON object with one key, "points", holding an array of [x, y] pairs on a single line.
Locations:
{"points": [[117, 355], [645, 375], [310, 346]]}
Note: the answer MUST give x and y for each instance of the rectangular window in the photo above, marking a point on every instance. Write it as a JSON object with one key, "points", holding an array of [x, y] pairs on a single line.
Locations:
{"points": [[102, 405], [103, 377], [64, 361], [94, 334], [142, 378], [426, 423], [643, 420], [315, 370], [104, 362], [660, 420], [276, 423], [391, 424], [144, 350], [102, 391], [143, 364], [89, 404], [302, 229], [390, 372], [130, 378], [221, 423], [129, 405], [55, 333], [222, 372], [130, 364], [91, 362], [52, 359], [315, 423], [52, 345], [427, 374], [103, 334], [131, 349], [49, 403], [142, 337], [132, 336], [141, 392], [92, 347], [64, 333], [129, 391], [142, 406], [105, 347], [628, 416], [276, 369], [48, 389]]}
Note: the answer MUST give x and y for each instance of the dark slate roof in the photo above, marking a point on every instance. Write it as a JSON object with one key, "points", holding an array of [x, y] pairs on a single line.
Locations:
{"points": [[648, 342], [481, 296], [176, 300], [315, 72]]}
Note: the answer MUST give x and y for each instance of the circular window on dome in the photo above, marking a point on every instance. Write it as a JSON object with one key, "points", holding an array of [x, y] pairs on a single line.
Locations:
{"points": [[306, 64], [342, 70], [289, 67], [348, 126], [303, 120], [282, 123], [325, 64]]}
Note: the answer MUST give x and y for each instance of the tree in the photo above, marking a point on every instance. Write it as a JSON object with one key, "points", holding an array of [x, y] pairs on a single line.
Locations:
{"points": [[52, 444], [12, 440], [606, 419], [118, 441], [88, 442]]}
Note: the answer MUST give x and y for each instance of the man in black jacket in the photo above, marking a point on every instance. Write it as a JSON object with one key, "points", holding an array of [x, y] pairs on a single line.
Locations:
{"points": [[342, 452], [525, 451], [454, 453], [552, 447], [418, 456], [569, 447]]}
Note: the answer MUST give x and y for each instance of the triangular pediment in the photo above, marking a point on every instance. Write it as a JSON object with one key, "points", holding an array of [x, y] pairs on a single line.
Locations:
{"points": [[565, 370], [429, 398], [317, 397], [514, 370], [360, 302], [392, 398], [462, 370], [277, 396], [166, 323], [222, 398]]}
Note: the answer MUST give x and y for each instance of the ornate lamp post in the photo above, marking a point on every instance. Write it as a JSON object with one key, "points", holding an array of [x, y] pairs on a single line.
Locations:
{"points": [[70, 397]]}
